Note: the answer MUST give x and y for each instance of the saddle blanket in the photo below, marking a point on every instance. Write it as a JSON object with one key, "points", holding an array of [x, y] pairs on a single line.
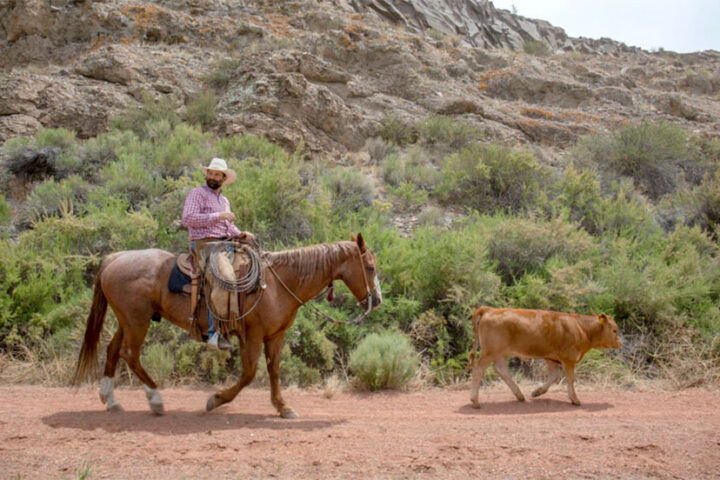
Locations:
{"points": [[178, 280]]}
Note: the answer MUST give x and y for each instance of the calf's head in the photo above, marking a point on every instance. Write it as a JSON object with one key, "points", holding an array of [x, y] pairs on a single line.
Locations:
{"points": [[608, 337]]}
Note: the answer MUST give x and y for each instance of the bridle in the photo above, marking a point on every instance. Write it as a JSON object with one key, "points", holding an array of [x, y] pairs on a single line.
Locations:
{"points": [[367, 299]]}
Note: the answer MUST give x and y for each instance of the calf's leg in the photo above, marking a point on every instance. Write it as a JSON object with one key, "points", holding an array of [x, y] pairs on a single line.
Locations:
{"points": [[477, 374], [554, 375], [570, 375], [501, 367]]}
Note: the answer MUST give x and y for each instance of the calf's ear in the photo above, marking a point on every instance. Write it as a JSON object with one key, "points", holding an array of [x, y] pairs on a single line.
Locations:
{"points": [[603, 318]]}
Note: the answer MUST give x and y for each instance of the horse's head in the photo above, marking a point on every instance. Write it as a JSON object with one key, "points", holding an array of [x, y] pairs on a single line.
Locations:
{"points": [[360, 275]]}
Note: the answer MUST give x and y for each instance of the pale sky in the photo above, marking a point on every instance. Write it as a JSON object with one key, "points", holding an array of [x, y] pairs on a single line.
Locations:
{"points": [[680, 26]]}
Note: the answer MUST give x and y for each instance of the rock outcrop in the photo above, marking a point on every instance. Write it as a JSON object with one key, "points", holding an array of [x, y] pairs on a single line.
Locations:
{"points": [[324, 74]]}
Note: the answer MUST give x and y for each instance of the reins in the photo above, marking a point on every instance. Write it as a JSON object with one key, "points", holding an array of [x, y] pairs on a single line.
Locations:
{"points": [[324, 315]]}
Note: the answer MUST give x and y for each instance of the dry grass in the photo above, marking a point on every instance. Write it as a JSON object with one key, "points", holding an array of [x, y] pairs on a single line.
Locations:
{"points": [[333, 385], [28, 367]]}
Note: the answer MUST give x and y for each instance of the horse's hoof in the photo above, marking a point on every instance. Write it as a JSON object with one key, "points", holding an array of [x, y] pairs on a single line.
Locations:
{"points": [[114, 407], [157, 408], [289, 413], [210, 405]]}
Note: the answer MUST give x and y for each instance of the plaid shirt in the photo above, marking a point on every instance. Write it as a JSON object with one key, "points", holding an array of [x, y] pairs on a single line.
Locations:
{"points": [[201, 214]]}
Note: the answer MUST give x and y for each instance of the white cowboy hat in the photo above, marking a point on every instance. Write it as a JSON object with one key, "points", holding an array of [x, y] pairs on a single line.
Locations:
{"points": [[219, 165]]}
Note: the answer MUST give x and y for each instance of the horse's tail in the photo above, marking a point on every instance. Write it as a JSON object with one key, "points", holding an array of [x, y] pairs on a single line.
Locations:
{"points": [[87, 365], [476, 316]]}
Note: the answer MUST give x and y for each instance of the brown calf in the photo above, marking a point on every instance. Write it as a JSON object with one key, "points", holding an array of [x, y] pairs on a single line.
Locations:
{"points": [[558, 338]]}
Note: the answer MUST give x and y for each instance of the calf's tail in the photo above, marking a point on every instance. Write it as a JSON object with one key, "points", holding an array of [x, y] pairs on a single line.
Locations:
{"points": [[476, 316]]}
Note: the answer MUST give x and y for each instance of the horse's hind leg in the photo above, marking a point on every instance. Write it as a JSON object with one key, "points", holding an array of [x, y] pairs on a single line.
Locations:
{"points": [[273, 348], [130, 352], [250, 354], [107, 385]]}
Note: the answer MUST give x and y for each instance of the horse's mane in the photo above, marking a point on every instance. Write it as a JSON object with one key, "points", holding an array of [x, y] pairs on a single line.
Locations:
{"points": [[308, 262]]}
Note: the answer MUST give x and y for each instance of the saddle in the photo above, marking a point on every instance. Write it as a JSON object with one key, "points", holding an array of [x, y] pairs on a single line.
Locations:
{"points": [[224, 273]]}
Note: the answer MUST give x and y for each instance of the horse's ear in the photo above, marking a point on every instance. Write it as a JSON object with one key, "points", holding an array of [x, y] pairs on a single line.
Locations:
{"points": [[360, 241], [353, 237]]}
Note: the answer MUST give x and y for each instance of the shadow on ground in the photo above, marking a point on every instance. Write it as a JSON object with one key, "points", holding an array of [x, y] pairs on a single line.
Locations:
{"points": [[542, 406], [174, 423]]}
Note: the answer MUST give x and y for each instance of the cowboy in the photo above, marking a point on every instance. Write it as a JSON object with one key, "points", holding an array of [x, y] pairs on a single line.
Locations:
{"points": [[208, 218]]}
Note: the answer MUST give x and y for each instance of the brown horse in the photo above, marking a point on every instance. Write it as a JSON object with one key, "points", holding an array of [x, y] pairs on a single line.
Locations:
{"points": [[134, 284]]}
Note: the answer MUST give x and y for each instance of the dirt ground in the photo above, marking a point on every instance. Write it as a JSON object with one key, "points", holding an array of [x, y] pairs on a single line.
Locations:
{"points": [[60, 433]]}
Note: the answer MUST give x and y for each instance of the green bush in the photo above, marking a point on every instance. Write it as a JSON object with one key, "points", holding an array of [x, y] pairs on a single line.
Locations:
{"points": [[520, 246], [5, 214], [351, 189], [158, 361], [175, 151], [412, 166], [308, 343], [578, 193], [244, 147], [378, 148], [652, 154], [384, 361], [150, 110], [130, 179], [397, 131], [106, 228], [488, 178], [271, 199], [58, 197], [449, 131], [407, 196], [56, 137], [221, 73], [201, 109], [429, 265], [701, 206]]}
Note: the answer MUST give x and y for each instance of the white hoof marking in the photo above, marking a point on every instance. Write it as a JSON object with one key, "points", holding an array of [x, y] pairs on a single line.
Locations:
{"points": [[155, 400]]}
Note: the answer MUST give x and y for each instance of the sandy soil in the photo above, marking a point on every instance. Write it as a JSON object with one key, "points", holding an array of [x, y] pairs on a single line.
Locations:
{"points": [[57, 433]]}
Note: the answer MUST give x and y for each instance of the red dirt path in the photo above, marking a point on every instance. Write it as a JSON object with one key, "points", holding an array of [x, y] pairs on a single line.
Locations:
{"points": [[53, 432]]}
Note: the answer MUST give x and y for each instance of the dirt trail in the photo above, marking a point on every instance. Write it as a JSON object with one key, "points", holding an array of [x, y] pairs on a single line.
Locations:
{"points": [[55, 432]]}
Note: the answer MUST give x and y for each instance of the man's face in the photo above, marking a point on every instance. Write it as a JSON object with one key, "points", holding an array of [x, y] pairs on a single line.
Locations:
{"points": [[214, 178]]}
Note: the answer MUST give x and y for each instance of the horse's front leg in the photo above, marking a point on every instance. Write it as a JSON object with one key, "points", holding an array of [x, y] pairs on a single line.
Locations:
{"points": [[250, 354], [273, 350]]}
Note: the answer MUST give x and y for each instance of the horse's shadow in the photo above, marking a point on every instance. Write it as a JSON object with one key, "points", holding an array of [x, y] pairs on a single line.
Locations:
{"points": [[532, 407], [178, 423]]}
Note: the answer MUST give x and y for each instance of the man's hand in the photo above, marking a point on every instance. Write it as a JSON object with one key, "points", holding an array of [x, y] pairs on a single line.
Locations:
{"points": [[229, 216]]}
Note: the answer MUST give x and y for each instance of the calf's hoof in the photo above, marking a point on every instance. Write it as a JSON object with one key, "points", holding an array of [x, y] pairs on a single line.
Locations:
{"points": [[288, 413], [537, 393], [575, 402], [521, 398]]}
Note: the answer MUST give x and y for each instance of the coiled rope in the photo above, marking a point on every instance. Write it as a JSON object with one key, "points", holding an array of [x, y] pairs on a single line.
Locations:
{"points": [[242, 285]]}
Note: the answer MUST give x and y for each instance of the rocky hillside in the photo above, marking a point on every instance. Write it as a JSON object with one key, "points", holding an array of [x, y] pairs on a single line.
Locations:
{"points": [[325, 73]]}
